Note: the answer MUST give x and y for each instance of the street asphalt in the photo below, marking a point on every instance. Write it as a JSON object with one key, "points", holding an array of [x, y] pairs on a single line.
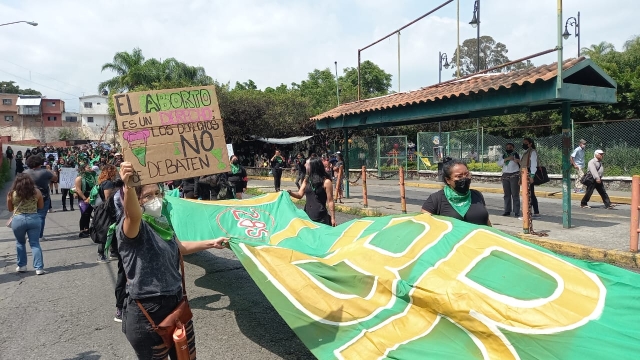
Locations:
{"points": [[68, 312]]}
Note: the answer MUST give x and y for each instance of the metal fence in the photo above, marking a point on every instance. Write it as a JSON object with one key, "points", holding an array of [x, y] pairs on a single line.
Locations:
{"points": [[392, 153]]}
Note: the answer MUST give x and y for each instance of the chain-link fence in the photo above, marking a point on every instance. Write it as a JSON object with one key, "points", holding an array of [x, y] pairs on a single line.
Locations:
{"points": [[363, 151], [392, 153]]}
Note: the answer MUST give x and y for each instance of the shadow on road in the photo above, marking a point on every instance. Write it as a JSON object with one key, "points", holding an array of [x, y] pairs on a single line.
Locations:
{"points": [[255, 316], [87, 355], [15, 276]]}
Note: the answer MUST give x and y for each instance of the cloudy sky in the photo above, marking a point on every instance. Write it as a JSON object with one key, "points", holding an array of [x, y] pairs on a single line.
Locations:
{"points": [[277, 41]]}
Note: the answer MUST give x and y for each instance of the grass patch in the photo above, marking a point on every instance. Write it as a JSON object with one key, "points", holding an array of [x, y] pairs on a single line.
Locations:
{"points": [[5, 172], [254, 192]]}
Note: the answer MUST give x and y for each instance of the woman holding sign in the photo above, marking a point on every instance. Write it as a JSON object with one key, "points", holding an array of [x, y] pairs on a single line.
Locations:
{"points": [[64, 187], [152, 258]]}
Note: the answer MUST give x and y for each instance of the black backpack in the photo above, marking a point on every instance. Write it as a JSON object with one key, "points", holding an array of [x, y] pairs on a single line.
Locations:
{"points": [[104, 215], [226, 190]]}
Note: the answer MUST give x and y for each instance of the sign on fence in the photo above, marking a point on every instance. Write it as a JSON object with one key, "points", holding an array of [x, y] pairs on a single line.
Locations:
{"points": [[67, 177], [171, 134]]}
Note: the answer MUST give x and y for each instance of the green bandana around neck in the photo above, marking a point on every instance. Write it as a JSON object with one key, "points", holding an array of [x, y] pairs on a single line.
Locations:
{"points": [[160, 225], [235, 168], [460, 203]]}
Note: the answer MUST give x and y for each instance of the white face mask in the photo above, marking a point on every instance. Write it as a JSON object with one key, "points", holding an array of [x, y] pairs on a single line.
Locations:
{"points": [[153, 208]]}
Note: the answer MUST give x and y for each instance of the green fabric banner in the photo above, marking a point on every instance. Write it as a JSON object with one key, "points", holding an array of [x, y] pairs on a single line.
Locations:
{"points": [[421, 286]]}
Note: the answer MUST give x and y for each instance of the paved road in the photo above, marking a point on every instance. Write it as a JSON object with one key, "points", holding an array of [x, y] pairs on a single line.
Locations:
{"points": [[68, 313]]}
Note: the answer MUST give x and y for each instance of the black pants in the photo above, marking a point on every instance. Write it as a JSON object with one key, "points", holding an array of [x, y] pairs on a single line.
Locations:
{"points": [[603, 194], [65, 192], [277, 176], [121, 280], [85, 217], [145, 342], [534, 199]]}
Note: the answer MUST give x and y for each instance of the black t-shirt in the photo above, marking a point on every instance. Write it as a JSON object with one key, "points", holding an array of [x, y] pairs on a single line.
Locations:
{"points": [[105, 185], [437, 204]]}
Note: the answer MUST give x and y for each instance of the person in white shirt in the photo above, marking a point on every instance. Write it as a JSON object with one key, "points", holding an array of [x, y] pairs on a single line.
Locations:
{"points": [[596, 170], [510, 163], [577, 161]]}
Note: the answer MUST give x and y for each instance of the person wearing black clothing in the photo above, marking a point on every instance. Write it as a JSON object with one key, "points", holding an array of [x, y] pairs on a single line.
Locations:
{"points": [[105, 188], [457, 200], [65, 192], [189, 188], [277, 164], [84, 183], [19, 163], [317, 189], [300, 163], [237, 177], [9, 154]]}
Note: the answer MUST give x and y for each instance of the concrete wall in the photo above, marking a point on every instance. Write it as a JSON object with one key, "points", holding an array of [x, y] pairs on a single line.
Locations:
{"points": [[50, 134]]}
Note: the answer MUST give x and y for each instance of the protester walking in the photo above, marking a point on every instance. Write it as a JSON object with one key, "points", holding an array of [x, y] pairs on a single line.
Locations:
{"points": [[237, 177], [300, 165], [9, 155], [529, 160], [42, 178], [19, 162], [339, 172], [65, 192], [456, 199], [317, 189], [106, 186], [84, 183], [593, 180], [577, 161], [277, 164], [152, 258], [25, 201], [510, 163]]}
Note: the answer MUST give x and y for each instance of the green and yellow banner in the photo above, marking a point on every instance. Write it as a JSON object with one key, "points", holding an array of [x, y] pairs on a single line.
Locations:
{"points": [[421, 286]]}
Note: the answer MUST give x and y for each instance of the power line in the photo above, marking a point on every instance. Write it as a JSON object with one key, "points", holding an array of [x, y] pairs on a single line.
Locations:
{"points": [[33, 82], [35, 72]]}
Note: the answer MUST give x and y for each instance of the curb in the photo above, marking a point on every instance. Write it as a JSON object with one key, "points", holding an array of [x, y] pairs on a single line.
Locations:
{"points": [[489, 190]]}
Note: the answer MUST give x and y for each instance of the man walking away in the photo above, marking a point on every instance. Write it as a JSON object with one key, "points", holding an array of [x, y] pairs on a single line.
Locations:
{"points": [[302, 170], [596, 170], [577, 161], [510, 163], [277, 164]]}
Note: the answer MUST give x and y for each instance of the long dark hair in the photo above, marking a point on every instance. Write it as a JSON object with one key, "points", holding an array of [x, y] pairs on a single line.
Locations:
{"points": [[317, 174], [531, 143], [24, 187]]}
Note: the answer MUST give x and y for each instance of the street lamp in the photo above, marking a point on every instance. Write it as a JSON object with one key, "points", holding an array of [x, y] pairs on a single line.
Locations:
{"points": [[441, 57], [32, 23], [475, 23], [576, 26]]}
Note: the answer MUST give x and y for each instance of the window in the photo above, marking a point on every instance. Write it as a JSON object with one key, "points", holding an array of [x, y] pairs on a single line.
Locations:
{"points": [[52, 118], [52, 103], [90, 119], [88, 105], [6, 101], [8, 118], [71, 119], [97, 103]]}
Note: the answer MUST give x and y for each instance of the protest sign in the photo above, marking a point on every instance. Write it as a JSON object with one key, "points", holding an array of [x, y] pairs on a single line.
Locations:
{"points": [[171, 134], [230, 150], [67, 177], [46, 156]]}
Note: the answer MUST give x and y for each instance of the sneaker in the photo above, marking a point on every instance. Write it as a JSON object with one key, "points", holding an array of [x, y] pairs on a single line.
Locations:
{"points": [[102, 259], [118, 317], [506, 214], [83, 234], [113, 257], [43, 239], [520, 218], [64, 209], [585, 206], [40, 272], [21, 269], [535, 216]]}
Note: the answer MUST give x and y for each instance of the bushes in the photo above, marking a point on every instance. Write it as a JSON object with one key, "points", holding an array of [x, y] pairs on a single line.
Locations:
{"points": [[5, 172]]}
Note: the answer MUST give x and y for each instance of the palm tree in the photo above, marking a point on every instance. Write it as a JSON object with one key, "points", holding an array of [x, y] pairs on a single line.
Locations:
{"points": [[597, 50], [129, 70]]}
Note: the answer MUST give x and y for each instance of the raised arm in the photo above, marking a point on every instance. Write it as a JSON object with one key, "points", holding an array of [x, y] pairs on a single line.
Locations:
{"points": [[132, 209]]}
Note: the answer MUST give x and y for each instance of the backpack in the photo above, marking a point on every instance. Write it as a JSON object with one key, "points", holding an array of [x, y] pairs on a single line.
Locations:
{"points": [[226, 190], [104, 216]]}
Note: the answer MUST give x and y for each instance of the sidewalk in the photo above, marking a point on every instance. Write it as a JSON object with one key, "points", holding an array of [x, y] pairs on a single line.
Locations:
{"points": [[596, 234]]}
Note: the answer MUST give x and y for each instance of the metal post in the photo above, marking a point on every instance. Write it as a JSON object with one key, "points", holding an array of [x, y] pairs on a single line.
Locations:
{"points": [[478, 36], [560, 56], [478, 136], [359, 75], [403, 199], [458, 57], [635, 213], [566, 165], [578, 30], [346, 162], [524, 189], [482, 146], [398, 61], [378, 159], [573, 133], [439, 67], [337, 84], [365, 201]]}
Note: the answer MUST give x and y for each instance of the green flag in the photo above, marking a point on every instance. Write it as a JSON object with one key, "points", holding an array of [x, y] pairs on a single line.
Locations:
{"points": [[421, 286]]}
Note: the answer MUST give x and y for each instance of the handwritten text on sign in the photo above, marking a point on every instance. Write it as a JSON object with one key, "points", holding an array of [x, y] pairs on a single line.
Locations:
{"points": [[172, 134], [67, 177]]}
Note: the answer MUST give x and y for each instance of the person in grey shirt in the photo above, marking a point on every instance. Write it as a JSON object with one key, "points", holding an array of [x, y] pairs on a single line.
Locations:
{"points": [[42, 177], [577, 161], [510, 164], [596, 170]]}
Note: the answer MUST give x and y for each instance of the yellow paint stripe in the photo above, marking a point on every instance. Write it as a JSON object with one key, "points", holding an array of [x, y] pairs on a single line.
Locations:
{"points": [[254, 201], [351, 234], [295, 226]]}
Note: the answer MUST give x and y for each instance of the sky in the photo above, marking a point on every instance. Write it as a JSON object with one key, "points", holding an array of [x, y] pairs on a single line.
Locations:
{"points": [[279, 41]]}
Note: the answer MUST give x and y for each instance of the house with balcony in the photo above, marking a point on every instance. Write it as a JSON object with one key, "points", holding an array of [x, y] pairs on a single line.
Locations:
{"points": [[29, 107], [52, 110], [9, 110]]}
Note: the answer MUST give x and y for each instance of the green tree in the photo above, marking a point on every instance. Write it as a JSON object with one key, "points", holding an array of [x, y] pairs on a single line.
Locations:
{"points": [[374, 81], [128, 69], [597, 50], [10, 87], [492, 54]]}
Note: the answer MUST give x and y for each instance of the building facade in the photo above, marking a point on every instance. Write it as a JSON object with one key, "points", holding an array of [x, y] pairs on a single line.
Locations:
{"points": [[52, 110]]}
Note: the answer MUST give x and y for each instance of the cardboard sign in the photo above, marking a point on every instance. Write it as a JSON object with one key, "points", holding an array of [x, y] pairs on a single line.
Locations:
{"points": [[67, 177], [46, 156], [171, 134], [230, 150]]}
